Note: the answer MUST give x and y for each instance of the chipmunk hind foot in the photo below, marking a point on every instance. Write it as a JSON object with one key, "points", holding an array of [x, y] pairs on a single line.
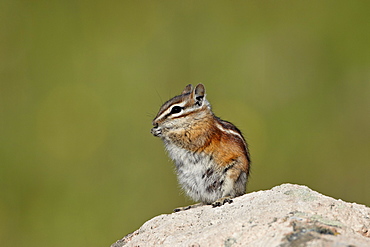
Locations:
{"points": [[222, 201], [217, 203]]}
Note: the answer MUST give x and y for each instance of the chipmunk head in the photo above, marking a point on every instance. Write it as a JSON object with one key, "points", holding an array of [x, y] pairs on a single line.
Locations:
{"points": [[182, 110]]}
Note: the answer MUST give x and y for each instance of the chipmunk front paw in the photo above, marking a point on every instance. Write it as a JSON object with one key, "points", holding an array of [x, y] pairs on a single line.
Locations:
{"points": [[156, 131]]}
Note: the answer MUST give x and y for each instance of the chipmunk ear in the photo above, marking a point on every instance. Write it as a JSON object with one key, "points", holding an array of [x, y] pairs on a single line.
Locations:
{"points": [[199, 94], [187, 89]]}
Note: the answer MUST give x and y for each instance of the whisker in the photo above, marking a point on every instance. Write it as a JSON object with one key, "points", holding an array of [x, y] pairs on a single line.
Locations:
{"points": [[149, 114], [159, 96]]}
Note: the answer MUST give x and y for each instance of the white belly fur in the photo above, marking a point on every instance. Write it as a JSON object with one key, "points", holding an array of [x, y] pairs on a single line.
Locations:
{"points": [[197, 175]]}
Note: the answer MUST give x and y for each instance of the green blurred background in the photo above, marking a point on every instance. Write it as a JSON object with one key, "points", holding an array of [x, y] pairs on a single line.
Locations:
{"points": [[82, 80]]}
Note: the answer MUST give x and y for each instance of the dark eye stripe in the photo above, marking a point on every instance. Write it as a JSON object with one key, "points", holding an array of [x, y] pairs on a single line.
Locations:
{"points": [[176, 109]]}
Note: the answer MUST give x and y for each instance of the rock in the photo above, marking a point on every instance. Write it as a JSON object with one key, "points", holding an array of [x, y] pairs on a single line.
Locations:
{"points": [[287, 215]]}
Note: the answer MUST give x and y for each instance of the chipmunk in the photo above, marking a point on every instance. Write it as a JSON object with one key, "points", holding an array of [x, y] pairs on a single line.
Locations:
{"points": [[211, 155]]}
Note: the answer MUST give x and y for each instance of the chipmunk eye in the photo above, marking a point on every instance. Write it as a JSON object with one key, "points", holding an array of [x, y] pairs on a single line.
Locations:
{"points": [[176, 109]]}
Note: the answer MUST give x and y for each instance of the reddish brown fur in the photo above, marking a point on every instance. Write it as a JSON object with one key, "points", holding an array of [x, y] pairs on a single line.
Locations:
{"points": [[228, 146]]}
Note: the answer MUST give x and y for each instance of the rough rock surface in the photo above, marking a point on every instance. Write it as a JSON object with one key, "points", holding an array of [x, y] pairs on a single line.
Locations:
{"points": [[287, 215]]}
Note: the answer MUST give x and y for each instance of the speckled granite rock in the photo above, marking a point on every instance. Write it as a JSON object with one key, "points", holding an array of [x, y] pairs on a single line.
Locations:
{"points": [[287, 215]]}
